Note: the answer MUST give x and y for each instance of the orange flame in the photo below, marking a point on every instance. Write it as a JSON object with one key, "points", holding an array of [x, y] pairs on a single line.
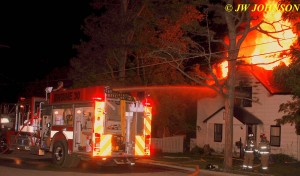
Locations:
{"points": [[267, 49], [224, 69], [262, 50]]}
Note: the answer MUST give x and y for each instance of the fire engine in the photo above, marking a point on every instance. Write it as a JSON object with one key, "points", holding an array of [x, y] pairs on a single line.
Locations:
{"points": [[7, 116], [95, 123]]}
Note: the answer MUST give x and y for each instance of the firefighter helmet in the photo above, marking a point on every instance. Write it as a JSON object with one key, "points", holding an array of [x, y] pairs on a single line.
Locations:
{"points": [[250, 136], [262, 135]]}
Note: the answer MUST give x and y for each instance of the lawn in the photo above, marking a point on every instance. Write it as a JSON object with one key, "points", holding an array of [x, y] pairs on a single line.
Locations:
{"points": [[279, 164]]}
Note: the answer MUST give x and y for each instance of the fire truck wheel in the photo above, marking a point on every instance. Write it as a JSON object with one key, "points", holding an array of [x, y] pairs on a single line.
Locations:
{"points": [[61, 157], [3, 147], [60, 153]]}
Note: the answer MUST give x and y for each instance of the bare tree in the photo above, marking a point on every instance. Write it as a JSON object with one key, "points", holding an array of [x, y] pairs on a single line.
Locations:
{"points": [[179, 43], [238, 26], [105, 52]]}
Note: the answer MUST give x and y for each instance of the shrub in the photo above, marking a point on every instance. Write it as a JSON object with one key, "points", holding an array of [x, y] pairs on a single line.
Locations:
{"points": [[281, 158], [197, 150]]}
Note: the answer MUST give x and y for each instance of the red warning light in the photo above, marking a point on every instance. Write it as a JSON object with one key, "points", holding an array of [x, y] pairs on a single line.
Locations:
{"points": [[147, 102], [97, 99]]}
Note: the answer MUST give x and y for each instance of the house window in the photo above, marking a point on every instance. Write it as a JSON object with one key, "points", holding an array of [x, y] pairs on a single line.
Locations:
{"points": [[244, 96], [218, 132], [275, 135]]}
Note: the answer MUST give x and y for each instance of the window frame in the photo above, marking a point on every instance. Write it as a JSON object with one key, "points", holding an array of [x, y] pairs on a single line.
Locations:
{"points": [[218, 132], [59, 118], [272, 136], [246, 101]]}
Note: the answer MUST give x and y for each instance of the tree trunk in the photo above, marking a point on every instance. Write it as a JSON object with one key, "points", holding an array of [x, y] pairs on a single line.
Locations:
{"points": [[123, 50], [230, 87], [229, 104], [122, 65]]}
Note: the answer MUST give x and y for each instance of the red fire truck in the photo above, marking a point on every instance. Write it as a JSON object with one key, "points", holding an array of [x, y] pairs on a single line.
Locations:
{"points": [[7, 116], [95, 123], [19, 124]]}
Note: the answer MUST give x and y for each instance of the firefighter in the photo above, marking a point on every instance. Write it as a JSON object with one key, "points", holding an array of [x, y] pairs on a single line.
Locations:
{"points": [[264, 151], [249, 152]]}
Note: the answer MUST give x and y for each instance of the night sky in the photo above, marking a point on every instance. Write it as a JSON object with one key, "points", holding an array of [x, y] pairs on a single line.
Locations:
{"points": [[39, 36]]}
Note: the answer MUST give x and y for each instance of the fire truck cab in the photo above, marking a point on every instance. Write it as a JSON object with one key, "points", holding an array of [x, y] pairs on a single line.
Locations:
{"points": [[95, 123]]}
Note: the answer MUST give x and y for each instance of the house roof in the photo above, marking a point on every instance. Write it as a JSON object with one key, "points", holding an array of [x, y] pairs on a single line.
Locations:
{"points": [[241, 114], [209, 117], [267, 79], [245, 116]]}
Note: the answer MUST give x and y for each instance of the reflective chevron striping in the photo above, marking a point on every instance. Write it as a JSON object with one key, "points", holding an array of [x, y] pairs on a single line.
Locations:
{"points": [[147, 127], [105, 145], [147, 120], [139, 145], [99, 117], [147, 130], [98, 128], [141, 148]]}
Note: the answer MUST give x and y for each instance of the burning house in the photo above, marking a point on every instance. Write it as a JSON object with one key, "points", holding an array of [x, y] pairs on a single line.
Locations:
{"points": [[258, 97], [255, 114]]}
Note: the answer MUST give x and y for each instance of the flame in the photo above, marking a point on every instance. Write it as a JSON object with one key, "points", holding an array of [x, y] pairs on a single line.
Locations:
{"points": [[220, 70], [267, 50], [224, 69]]}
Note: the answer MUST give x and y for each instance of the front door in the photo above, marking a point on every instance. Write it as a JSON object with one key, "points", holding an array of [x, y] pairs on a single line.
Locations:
{"points": [[251, 129]]}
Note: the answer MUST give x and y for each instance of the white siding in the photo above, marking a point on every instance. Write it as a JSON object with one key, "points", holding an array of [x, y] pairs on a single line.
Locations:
{"points": [[206, 107], [239, 132], [266, 109]]}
